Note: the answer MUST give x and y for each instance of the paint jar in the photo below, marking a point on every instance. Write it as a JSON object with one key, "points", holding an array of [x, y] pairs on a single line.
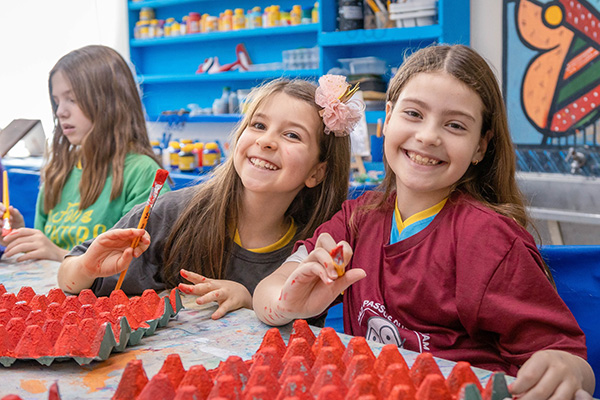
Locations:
{"points": [[296, 15], [239, 19], [211, 155], [187, 159], [173, 151], [193, 23], [198, 149], [156, 148]]}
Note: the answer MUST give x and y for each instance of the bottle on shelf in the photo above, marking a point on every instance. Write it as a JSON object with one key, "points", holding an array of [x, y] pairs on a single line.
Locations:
{"points": [[198, 149], [211, 155], [187, 159], [234, 103], [350, 15], [173, 153], [193, 23], [296, 15], [239, 19], [156, 148], [314, 14]]}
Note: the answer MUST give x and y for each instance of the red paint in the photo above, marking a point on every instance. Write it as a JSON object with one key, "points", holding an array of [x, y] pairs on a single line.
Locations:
{"points": [[103, 304], [150, 298], [21, 309], [71, 343], [461, 374], [328, 375], [299, 347], [328, 355], [53, 392], [273, 338], [267, 356], [226, 387], [172, 299], [15, 328], [388, 355], [52, 328], [160, 309], [301, 329], [36, 317], [260, 392], [86, 296], [122, 310], [217, 294], [140, 310], [328, 337], [293, 281], [433, 388], [132, 381], [70, 303], [402, 392], [234, 366], [262, 376], [87, 311], [39, 302], [2, 289], [5, 316], [396, 374], [119, 297], [198, 377], [7, 301], [159, 388], [357, 346], [56, 296], [173, 368], [360, 365], [361, 386], [183, 273], [296, 366], [295, 387], [26, 293], [423, 366], [184, 288], [70, 318], [33, 343], [331, 392]]}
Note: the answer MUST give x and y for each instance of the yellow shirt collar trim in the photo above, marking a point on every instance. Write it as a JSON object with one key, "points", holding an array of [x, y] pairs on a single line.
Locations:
{"points": [[287, 238], [418, 216]]}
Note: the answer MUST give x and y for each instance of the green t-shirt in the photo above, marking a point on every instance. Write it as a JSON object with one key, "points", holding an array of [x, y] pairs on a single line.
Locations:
{"points": [[67, 226]]}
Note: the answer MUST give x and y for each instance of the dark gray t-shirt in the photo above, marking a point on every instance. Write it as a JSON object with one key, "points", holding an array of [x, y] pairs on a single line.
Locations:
{"points": [[145, 272]]}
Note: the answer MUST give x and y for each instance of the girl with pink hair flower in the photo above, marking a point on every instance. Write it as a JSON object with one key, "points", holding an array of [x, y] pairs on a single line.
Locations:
{"points": [[288, 172]]}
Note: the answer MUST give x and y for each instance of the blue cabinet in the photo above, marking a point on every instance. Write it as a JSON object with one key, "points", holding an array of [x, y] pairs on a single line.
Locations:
{"points": [[166, 67]]}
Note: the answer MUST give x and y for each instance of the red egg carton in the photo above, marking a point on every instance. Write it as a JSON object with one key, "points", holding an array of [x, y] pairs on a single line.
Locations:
{"points": [[53, 326], [327, 370]]}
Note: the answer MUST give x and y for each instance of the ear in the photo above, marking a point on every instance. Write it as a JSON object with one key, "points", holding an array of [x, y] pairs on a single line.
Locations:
{"points": [[483, 144], [389, 107], [317, 174]]}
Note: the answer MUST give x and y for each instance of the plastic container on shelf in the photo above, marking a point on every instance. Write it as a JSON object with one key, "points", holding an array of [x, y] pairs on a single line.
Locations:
{"points": [[364, 65], [239, 19], [414, 13], [296, 15], [193, 23], [173, 152]]}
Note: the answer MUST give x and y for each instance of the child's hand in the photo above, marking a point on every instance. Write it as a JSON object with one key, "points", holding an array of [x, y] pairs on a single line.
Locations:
{"points": [[16, 219], [229, 294], [553, 374], [33, 244], [315, 283], [111, 252]]}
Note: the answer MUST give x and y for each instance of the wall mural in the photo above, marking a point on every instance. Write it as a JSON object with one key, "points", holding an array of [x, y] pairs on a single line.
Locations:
{"points": [[552, 83]]}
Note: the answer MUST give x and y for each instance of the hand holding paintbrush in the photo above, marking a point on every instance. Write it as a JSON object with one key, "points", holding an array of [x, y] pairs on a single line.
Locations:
{"points": [[159, 181]]}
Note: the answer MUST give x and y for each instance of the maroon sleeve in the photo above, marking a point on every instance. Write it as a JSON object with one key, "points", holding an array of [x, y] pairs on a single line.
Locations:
{"points": [[524, 311]]}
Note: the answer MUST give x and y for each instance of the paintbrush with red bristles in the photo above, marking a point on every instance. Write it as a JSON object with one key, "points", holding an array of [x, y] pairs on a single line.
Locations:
{"points": [[159, 181]]}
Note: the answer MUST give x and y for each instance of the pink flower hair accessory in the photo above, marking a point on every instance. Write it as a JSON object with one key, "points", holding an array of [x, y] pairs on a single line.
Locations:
{"points": [[340, 111]]}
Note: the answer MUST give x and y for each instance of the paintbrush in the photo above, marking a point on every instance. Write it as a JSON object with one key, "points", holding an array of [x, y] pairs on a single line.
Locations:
{"points": [[6, 228], [159, 181], [338, 259]]}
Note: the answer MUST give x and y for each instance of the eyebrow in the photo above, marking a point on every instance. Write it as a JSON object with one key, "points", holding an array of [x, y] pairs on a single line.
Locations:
{"points": [[446, 112], [288, 122]]}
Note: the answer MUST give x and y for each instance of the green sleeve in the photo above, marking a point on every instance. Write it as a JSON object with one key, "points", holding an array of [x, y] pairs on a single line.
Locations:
{"points": [[40, 216], [138, 178]]}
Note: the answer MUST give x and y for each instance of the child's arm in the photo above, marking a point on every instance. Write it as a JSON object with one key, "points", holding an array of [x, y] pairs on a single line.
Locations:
{"points": [[109, 254], [556, 374], [305, 289], [229, 294]]}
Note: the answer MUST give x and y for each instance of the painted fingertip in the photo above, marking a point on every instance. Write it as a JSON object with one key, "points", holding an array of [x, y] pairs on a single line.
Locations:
{"points": [[183, 273]]}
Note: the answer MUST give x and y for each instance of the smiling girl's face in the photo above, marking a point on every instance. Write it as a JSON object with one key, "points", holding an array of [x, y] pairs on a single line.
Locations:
{"points": [[432, 135], [278, 152]]}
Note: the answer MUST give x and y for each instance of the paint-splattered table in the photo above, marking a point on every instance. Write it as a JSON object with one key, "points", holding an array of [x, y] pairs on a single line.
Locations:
{"points": [[192, 334]]}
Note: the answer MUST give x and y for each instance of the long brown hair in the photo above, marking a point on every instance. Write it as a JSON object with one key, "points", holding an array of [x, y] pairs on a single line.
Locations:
{"points": [[200, 239], [106, 93], [492, 181]]}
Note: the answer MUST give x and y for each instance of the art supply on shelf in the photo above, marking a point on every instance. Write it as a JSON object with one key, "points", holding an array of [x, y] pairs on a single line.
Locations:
{"points": [[6, 228], [159, 181]]}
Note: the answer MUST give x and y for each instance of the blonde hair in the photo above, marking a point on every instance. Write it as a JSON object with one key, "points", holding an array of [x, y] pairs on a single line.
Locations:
{"points": [[106, 93], [216, 203]]}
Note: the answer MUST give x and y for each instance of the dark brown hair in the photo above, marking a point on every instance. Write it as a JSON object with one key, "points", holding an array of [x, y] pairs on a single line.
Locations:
{"points": [[106, 93], [216, 204]]}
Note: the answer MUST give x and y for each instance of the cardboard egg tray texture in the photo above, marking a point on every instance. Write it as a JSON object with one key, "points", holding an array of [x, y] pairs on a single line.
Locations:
{"points": [[307, 368], [53, 327]]}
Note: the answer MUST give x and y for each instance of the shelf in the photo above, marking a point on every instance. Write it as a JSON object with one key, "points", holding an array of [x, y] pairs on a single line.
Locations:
{"points": [[214, 36], [373, 116], [138, 5], [227, 76], [219, 118], [379, 36]]}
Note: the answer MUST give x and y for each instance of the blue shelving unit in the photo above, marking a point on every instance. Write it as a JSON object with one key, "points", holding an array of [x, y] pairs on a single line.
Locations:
{"points": [[166, 67]]}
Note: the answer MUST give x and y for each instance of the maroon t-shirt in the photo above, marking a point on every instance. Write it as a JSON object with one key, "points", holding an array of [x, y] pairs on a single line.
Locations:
{"points": [[469, 287]]}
